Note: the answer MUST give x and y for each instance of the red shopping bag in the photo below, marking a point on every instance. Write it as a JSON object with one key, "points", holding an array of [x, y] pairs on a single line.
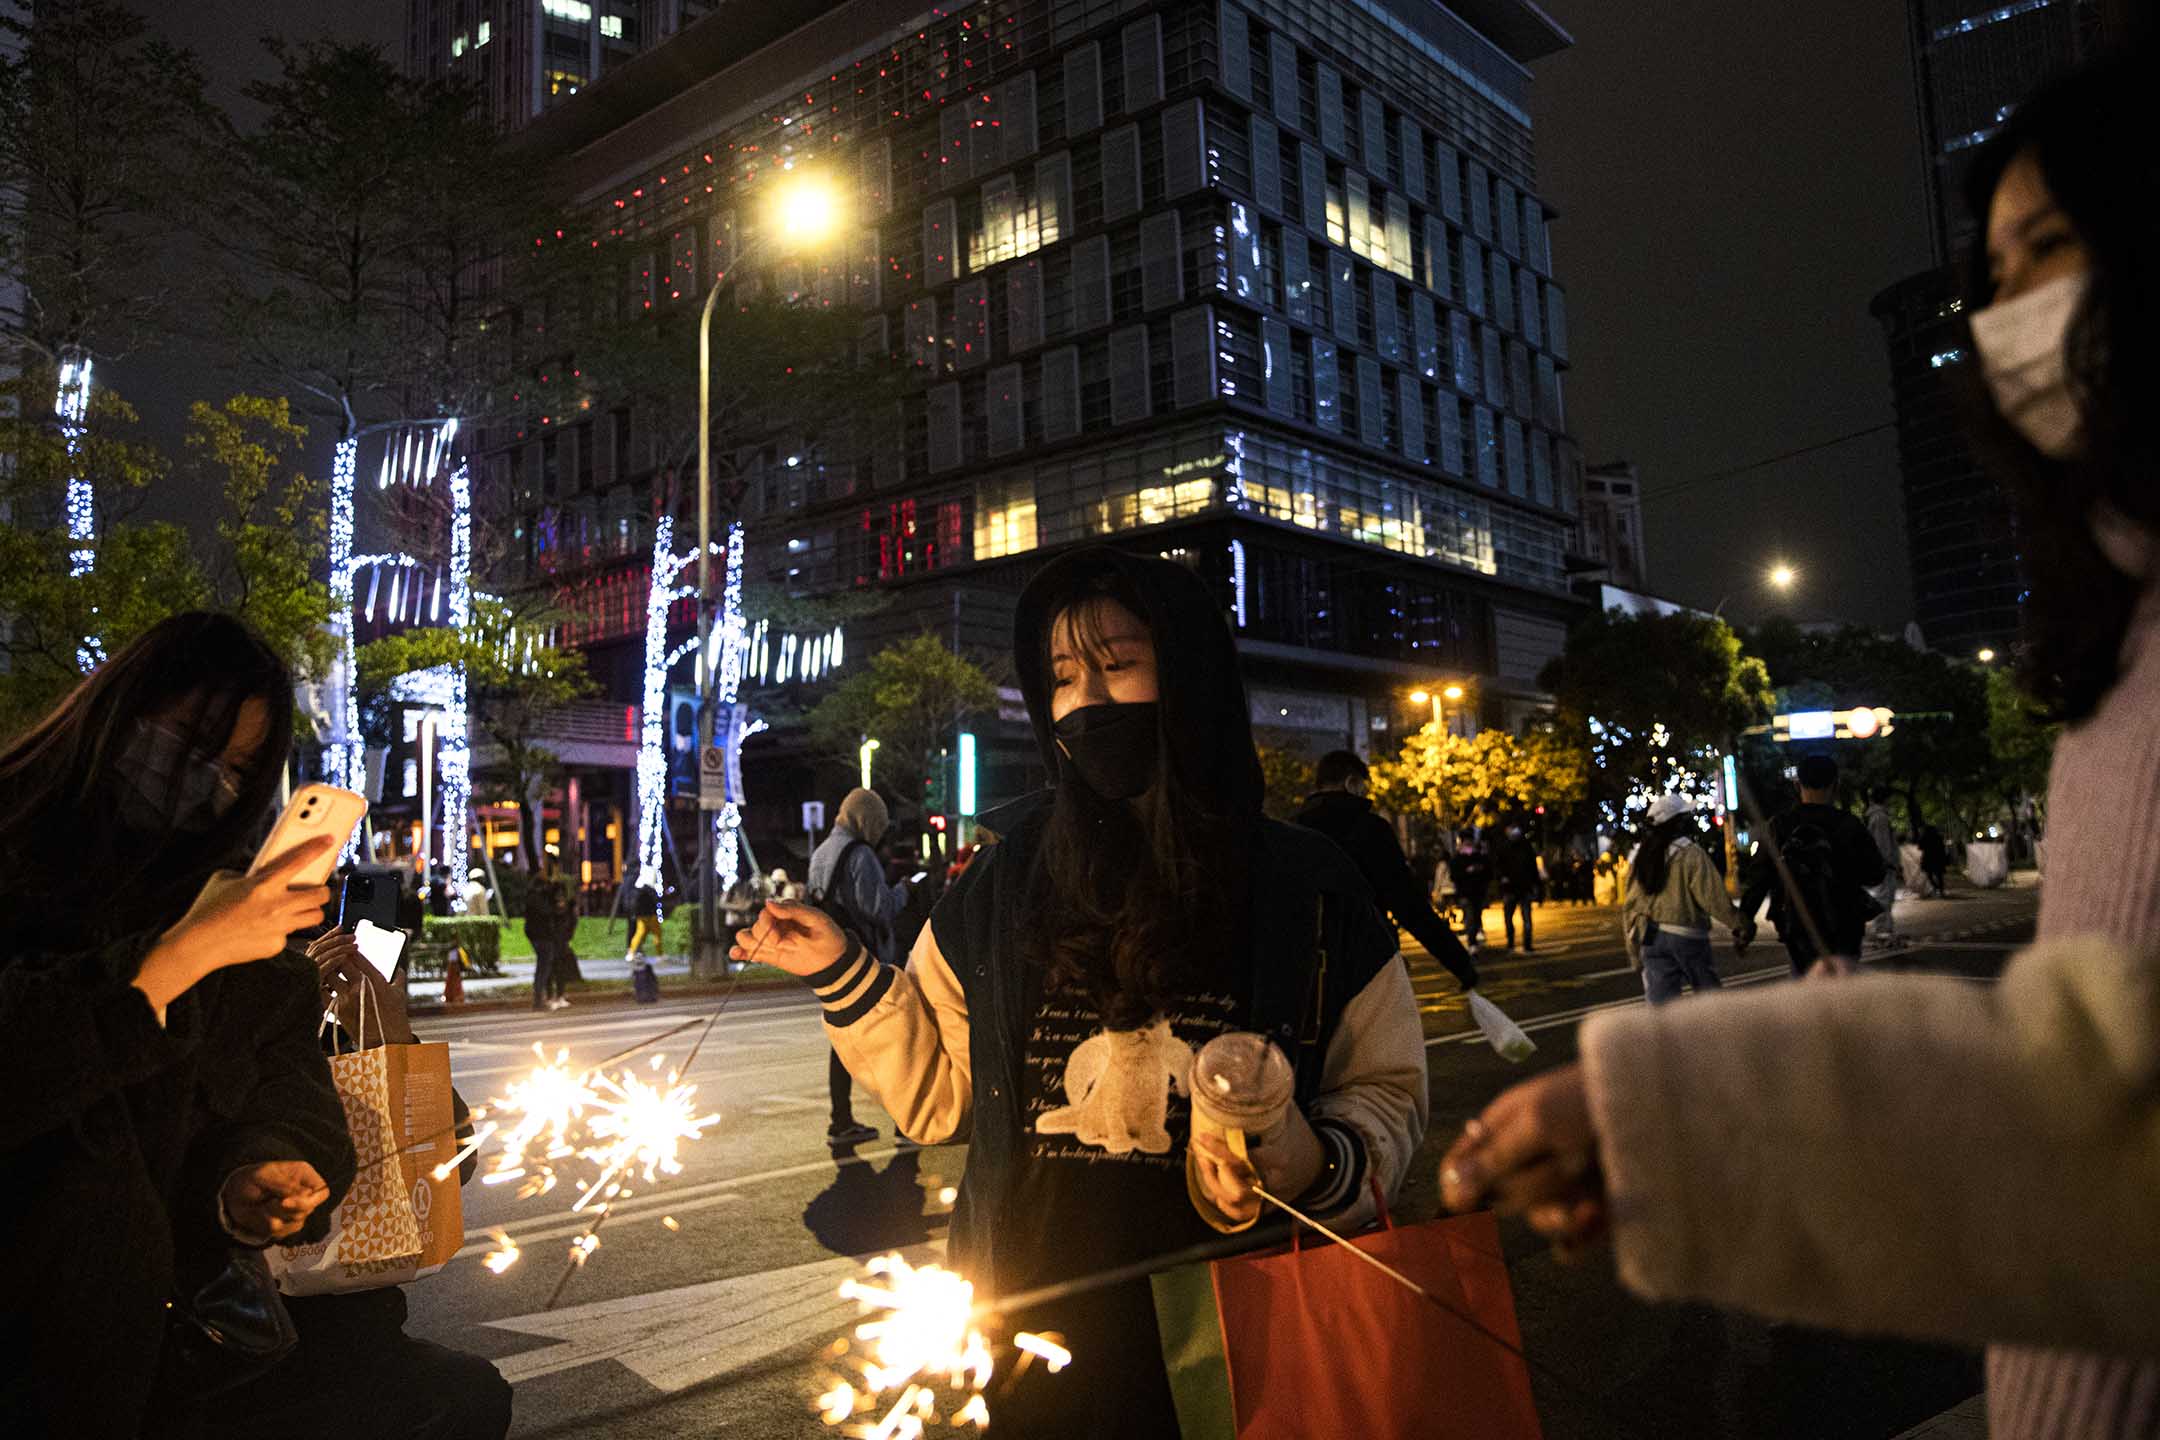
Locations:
{"points": [[1317, 1342]]}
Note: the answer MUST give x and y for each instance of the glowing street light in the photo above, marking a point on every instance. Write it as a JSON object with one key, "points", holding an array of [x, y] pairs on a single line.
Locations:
{"points": [[868, 747], [1451, 693], [807, 209], [1782, 576], [1987, 656]]}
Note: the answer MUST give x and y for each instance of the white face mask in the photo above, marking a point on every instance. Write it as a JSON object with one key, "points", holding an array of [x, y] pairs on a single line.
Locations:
{"points": [[2022, 345]]}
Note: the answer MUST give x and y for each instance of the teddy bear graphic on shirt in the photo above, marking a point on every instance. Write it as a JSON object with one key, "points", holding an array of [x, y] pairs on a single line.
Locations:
{"points": [[1118, 1083]]}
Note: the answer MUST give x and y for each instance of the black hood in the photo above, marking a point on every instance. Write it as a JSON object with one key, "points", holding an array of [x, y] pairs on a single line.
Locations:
{"points": [[1204, 710]]}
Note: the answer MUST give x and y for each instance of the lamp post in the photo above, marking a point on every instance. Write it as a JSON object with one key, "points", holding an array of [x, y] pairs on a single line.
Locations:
{"points": [[806, 211], [1452, 693], [869, 747]]}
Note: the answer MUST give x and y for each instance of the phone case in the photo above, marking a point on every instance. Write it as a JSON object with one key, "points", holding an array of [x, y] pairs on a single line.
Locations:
{"points": [[313, 810]]}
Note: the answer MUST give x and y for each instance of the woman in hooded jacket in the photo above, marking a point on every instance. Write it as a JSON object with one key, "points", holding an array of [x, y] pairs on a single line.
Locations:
{"points": [[1049, 1013], [166, 1097]]}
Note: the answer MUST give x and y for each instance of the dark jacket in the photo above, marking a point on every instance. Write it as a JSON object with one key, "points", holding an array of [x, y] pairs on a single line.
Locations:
{"points": [[117, 1137], [1516, 863], [1856, 867], [1370, 842]]}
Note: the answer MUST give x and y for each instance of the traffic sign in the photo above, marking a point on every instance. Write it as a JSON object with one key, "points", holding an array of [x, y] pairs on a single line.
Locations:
{"points": [[813, 815]]}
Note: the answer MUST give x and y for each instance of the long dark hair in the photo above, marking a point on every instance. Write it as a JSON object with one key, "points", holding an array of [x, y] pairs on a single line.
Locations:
{"points": [[72, 876], [2090, 132], [1130, 903], [1655, 855]]}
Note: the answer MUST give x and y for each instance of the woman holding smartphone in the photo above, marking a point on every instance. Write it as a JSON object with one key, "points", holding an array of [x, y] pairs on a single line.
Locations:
{"points": [[166, 1099], [1049, 1012]]}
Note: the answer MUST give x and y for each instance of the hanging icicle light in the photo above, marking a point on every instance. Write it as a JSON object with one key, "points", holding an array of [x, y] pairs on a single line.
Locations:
{"points": [[344, 760], [652, 738], [457, 730]]}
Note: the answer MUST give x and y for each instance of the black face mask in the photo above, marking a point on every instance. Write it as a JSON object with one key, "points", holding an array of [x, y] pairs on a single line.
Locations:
{"points": [[1112, 748]]}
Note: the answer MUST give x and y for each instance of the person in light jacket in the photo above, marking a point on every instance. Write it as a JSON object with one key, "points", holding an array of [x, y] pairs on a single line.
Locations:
{"points": [[1676, 895], [1050, 1011], [1922, 1156]]}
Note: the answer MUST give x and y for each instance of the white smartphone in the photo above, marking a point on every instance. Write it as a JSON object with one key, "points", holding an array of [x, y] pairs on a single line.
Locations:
{"points": [[381, 947], [918, 877], [313, 810]]}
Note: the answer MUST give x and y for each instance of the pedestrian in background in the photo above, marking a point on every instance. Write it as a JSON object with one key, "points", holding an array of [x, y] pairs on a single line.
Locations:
{"points": [[1934, 860], [549, 923], [1471, 868], [847, 882], [1338, 809], [168, 1111], [1935, 1159], [1521, 884], [1883, 832], [645, 906], [1676, 895], [1833, 869], [476, 893]]}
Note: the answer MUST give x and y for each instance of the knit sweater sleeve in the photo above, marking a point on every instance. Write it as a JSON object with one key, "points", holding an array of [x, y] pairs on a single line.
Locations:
{"points": [[1901, 1154]]}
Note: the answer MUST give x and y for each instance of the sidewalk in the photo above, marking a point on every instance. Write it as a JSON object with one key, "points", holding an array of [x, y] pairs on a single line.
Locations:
{"points": [[1964, 1422]]}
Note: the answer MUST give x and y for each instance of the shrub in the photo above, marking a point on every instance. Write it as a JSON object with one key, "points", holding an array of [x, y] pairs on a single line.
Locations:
{"points": [[480, 936]]}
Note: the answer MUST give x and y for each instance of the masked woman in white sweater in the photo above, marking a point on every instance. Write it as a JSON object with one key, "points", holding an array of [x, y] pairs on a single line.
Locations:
{"points": [[1923, 1156]]}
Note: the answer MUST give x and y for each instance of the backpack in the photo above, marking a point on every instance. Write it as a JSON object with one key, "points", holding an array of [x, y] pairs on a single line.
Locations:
{"points": [[834, 906], [1812, 858]]}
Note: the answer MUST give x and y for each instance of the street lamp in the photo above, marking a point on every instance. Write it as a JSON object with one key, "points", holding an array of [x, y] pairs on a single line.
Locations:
{"points": [[1987, 655], [868, 748], [1782, 576], [806, 210], [1451, 693]]}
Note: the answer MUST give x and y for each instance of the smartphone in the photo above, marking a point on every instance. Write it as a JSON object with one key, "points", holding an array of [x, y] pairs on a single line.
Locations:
{"points": [[918, 877], [381, 947], [313, 810], [370, 892]]}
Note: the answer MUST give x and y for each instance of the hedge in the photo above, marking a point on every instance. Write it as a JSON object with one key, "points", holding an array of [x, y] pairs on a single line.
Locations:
{"points": [[480, 936]]}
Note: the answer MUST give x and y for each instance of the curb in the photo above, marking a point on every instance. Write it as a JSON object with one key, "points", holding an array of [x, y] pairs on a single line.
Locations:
{"points": [[604, 999]]}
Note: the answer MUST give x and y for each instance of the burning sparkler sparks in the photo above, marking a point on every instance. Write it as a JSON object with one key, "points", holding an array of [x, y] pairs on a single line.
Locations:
{"points": [[921, 1338], [504, 1255]]}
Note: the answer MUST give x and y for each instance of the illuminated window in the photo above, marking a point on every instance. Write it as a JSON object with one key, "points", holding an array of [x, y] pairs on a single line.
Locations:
{"points": [[577, 10], [1004, 517], [484, 34], [611, 26], [564, 82], [457, 46]]}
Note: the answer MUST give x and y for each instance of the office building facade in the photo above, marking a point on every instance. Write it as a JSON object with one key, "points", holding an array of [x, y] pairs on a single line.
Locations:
{"points": [[1611, 538], [1264, 286], [529, 56]]}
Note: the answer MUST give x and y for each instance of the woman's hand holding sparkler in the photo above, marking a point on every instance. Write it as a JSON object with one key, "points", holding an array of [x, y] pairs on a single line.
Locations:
{"points": [[1225, 1178], [1533, 1153], [800, 939]]}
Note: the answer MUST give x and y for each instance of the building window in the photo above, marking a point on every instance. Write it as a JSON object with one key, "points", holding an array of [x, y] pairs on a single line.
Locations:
{"points": [[1004, 517]]}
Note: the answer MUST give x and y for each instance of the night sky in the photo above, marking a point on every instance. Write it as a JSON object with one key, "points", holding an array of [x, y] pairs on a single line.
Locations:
{"points": [[1734, 183]]}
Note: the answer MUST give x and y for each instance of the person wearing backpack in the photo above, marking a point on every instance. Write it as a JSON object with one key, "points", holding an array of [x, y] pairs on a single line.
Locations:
{"points": [[1677, 894], [1834, 865], [847, 882]]}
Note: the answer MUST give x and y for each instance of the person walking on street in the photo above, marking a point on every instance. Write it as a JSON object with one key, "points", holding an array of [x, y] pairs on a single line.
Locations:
{"points": [[549, 923], [1471, 869], [1965, 1164], [847, 882], [645, 905], [1883, 929], [1520, 884], [1934, 860], [1834, 865], [1338, 809], [1677, 893]]}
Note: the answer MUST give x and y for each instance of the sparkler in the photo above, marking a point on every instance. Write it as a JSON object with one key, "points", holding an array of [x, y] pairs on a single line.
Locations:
{"points": [[923, 1339]]}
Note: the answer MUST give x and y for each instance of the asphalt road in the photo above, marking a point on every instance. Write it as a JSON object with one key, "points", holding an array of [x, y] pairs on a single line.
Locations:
{"points": [[713, 1292]]}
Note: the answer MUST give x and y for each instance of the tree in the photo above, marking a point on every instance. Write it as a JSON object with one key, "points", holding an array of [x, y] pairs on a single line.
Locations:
{"points": [[94, 111], [270, 528], [514, 683], [1452, 780], [1937, 756], [1653, 698], [913, 698], [257, 566], [1288, 777]]}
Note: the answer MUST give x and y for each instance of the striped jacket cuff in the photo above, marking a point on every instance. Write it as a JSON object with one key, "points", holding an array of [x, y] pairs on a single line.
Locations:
{"points": [[1342, 1179], [851, 986]]}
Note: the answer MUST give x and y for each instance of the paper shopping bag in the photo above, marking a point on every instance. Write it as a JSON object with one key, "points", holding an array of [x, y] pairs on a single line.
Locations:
{"points": [[397, 1222], [1312, 1341]]}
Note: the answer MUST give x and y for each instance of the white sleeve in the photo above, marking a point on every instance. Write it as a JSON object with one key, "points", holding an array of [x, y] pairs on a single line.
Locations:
{"points": [[1372, 1109], [904, 1035]]}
